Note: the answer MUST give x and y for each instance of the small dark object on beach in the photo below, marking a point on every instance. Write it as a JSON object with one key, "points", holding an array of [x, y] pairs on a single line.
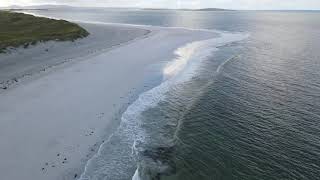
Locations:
{"points": [[42, 169], [47, 164], [76, 175], [47, 50], [58, 154], [65, 159]]}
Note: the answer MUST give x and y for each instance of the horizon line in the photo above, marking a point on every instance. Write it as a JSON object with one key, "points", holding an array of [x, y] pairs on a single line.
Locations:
{"points": [[159, 8]]}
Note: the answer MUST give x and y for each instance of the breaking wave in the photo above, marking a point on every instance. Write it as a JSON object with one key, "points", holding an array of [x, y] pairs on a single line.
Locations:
{"points": [[141, 146]]}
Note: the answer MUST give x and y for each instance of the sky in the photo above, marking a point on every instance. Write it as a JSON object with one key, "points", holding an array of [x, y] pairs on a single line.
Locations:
{"points": [[227, 4]]}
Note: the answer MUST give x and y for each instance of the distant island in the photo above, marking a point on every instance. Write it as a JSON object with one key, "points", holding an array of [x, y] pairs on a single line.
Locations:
{"points": [[213, 9], [205, 9], [18, 29]]}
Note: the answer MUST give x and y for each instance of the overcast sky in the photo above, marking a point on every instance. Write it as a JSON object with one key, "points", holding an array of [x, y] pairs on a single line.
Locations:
{"points": [[229, 4]]}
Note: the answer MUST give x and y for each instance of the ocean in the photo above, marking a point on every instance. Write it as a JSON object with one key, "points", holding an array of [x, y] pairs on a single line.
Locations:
{"points": [[251, 109]]}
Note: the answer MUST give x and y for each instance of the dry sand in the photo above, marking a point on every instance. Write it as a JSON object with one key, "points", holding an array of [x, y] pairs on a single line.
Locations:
{"points": [[21, 63]]}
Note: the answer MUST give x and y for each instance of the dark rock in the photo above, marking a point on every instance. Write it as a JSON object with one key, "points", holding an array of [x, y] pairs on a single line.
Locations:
{"points": [[160, 153], [158, 162]]}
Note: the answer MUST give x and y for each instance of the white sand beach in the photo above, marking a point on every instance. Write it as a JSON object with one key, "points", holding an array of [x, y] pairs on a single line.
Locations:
{"points": [[67, 100], [21, 63]]}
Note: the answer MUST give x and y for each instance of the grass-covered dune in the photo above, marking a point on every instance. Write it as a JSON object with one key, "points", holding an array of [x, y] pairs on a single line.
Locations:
{"points": [[18, 29]]}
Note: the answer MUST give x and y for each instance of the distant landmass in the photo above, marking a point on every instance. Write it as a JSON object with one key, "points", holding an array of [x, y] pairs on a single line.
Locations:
{"points": [[205, 9], [47, 7], [213, 9]]}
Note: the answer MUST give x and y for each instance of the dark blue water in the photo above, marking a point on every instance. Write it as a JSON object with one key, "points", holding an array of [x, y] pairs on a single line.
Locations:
{"points": [[258, 118]]}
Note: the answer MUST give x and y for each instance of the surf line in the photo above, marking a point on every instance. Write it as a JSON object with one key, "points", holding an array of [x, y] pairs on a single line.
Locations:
{"points": [[225, 62]]}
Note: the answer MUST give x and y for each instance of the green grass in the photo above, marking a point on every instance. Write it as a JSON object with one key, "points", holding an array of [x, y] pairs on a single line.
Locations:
{"points": [[18, 29]]}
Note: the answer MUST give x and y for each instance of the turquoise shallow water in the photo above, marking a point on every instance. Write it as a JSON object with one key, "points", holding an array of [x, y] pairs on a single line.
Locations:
{"points": [[258, 117]]}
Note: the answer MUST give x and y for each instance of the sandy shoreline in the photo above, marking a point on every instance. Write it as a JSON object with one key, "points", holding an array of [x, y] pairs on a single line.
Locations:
{"points": [[52, 124]]}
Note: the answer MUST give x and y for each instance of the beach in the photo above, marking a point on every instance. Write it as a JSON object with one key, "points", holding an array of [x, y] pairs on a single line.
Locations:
{"points": [[23, 63], [164, 94], [65, 99]]}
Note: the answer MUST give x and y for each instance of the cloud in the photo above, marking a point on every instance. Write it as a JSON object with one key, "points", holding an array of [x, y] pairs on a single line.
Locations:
{"points": [[231, 4]]}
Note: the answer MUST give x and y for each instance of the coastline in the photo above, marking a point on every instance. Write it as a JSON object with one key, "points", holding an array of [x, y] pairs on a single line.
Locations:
{"points": [[176, 103], [72, 53], [56, 119], [21, 64]]}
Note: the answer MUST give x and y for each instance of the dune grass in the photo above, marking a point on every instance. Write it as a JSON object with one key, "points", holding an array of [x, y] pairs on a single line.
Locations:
{"points": [[18, 29]]}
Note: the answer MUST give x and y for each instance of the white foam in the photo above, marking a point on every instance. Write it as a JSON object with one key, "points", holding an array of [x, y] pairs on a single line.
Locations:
{"points": [[136, 175], [180, 69], [225, 62]]}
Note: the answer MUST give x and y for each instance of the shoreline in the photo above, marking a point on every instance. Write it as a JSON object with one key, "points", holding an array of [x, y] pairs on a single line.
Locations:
{"points": [[16, 82], [59, 104], [185, 68]]}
